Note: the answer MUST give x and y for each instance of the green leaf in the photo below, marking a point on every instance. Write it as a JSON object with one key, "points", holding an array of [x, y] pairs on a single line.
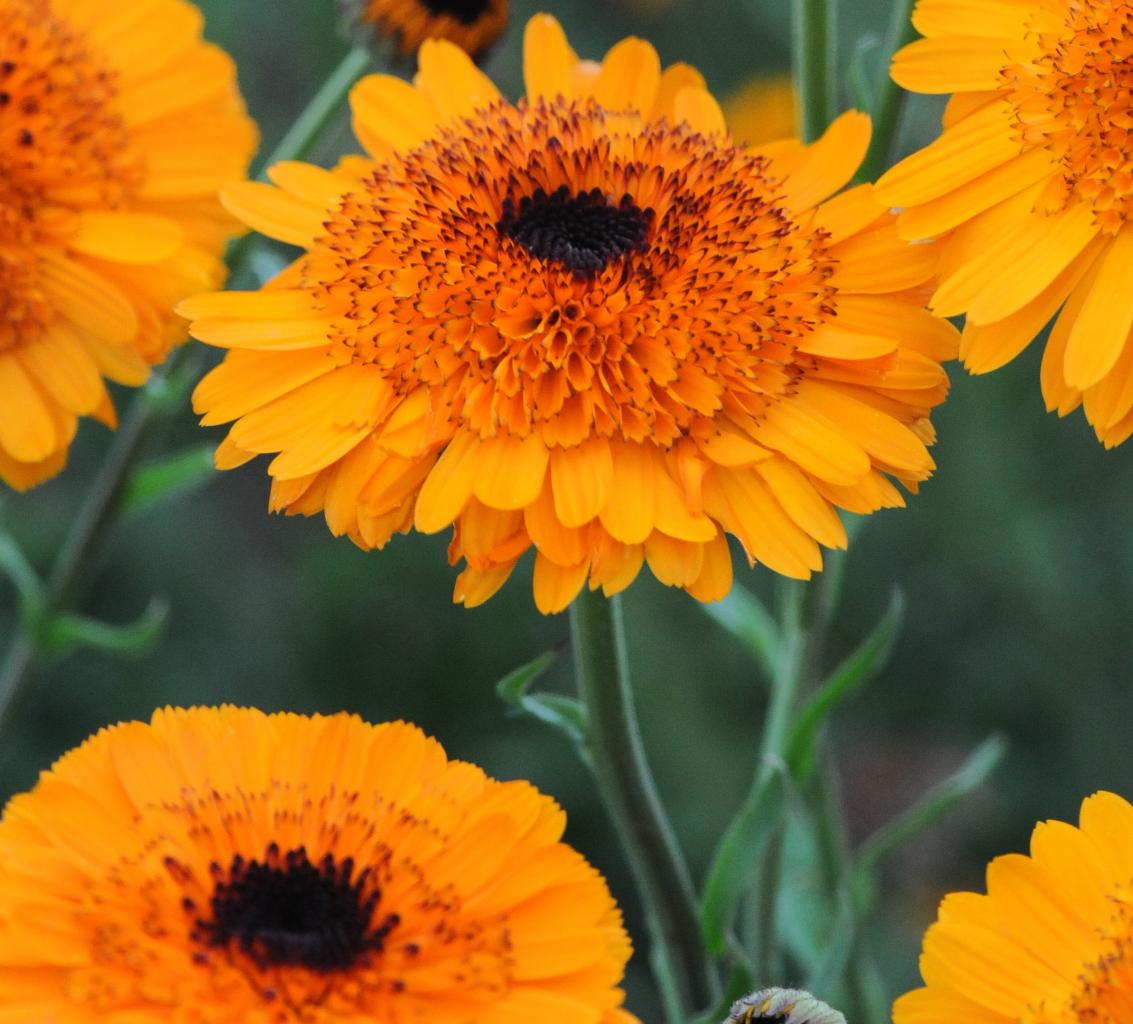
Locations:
{"points": [[14, 565], [743, 615], [828, 968], [565, 714], [865, 70], [926, 812], [806, 908], [168, 478], [62, 634], [858, 669], [739, 852]]}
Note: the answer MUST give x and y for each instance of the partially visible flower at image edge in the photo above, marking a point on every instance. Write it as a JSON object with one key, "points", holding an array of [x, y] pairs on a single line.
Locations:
{"points": [[588, 324], [223, 865], [1052, 940], [1030, 186], [117, 126], [473, 25]]}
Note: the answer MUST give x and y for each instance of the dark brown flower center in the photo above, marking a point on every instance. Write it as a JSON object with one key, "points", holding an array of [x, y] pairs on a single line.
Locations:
{"points": [[467, 12], [583, 232], [287, 912]]}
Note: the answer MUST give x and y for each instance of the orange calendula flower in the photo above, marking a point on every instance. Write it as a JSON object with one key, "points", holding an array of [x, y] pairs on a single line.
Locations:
{"points": [[227, 866], [587, 324], [473, 25], [1050, 943], [117, 127], [1031, 185]]}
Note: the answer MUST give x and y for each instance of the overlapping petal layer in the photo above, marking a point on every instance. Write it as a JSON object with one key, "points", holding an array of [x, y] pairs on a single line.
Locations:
{"points": [[1030, 187], [117, 128], [223, 866], [1050, 943], [589, 324]]}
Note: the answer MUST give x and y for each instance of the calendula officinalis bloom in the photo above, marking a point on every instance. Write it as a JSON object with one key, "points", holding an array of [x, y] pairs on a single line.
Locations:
{"points": [[473, 25], [117, 126], [1030, 186], [225, 866], [1052, 940], [588, 324]]}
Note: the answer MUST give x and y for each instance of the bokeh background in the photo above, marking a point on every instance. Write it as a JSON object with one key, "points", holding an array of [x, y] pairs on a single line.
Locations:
{"points": [[1016, 560]]}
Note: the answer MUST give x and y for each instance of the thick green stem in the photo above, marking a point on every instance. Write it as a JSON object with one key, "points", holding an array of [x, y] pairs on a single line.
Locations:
{"points": [[631, 798], [99, 511], [889, 99], [814, 64]]}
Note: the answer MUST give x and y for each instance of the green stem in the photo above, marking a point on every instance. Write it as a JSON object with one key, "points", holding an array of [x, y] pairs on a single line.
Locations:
{"points": [[787, 683], [814, 63], [304, 134], [88, 530], [889, 100], [99, 512], [323, 107], [627, 787]]}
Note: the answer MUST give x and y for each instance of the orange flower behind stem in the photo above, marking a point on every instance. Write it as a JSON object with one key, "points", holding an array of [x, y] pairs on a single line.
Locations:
{"points": [[1030, 187], [588, 324], [223, 866], [1052, 940], [117, 127], [473, 25]]}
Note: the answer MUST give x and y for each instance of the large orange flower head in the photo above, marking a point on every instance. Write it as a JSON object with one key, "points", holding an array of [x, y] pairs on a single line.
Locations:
{"points": [[587, 324], [1050, 943], [117, 127], [1031, 185], [223, 866], [473, 25]]}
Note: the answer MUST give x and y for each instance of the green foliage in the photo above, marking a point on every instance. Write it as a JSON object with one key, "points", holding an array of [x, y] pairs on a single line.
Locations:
{"points": [[62, 634], [743, 615], [925, 813], [22, 575], [745, 841], [165, 479], [866, 662], [564, 714]]}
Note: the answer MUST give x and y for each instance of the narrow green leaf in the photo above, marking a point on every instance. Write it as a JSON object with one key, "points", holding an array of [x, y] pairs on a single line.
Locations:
{"points": [[565, 714], [864, 71], [926, 812], [170, 477], [14, 565], [64, 633], [858, 669], [828, 969], [737, 854], [743, 615], [514, 685]]}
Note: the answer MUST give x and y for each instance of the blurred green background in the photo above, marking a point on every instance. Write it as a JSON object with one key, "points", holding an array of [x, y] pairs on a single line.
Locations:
{"points": [[1016, 559]]}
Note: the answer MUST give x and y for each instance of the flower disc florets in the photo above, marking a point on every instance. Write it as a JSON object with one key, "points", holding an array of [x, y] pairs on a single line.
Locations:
{"points": [[1076, 99], [1030, 189], [588, 323], [554, 269], [223, 866]]}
